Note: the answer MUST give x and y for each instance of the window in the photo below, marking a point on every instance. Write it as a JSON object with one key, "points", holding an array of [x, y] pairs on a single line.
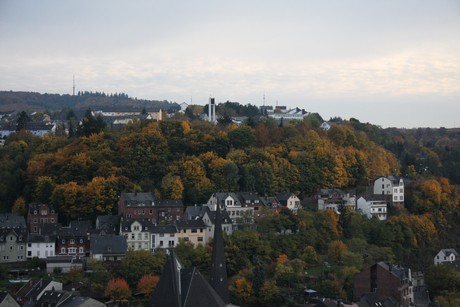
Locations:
{"points": [[81, 241], [194, 231], [171, 235], [383, 186], [44, 212], [63, 241], [200, 239], [136, 227], [401, 197], [161, 243], [62, 250], [133, 237], [139, 236], [146, 236], [81, 250], [29, 245], [52, 220], [72, 250], [35, 229], [401, 190], [72, 241], [35, 220]]}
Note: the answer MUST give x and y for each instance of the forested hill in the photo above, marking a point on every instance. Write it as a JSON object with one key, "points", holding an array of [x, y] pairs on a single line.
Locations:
{"points": [[36, 102]]}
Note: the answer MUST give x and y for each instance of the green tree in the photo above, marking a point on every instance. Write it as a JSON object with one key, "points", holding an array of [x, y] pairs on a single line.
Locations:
{"points": [[140, 263], [22, 121]]}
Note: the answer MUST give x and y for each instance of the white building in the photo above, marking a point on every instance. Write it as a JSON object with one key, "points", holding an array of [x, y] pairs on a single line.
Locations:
{"points": [[137, 233], [390, 185], [446, 255], [373, 206], [41, 246], [164, 236], [238, 212]]}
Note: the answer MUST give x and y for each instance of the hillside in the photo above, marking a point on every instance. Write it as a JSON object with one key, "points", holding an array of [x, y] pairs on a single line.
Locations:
{"points": [[36, 102]]}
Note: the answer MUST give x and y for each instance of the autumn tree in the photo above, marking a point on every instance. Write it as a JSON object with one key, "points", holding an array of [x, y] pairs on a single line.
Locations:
{"points": [[140, 263], [147, 284], [117, 290]]}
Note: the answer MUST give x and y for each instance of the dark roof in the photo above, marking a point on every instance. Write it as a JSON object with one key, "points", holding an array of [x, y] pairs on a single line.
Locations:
{"points": [[109, 223], [270, 201], [283, 197], [191, 224], [81, 225], [63, 259], [53, 298], [180, 287], [170, 203], [38, 238], [139, 199], [218, 277], [251, 196], [127, 222], [108, 244], [8, 220], [224, 216], [164, 229], [222, 196], [19, 233], [38, 206], [31, 289], [192, 212]]}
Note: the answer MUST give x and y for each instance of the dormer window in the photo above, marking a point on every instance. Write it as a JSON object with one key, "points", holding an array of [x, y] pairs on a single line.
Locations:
{"points": [[35, 212]]}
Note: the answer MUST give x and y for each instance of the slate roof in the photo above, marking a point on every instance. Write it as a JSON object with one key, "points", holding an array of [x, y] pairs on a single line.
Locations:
{"points": [[224, 216], [449, 251], [270, 201], [109, 223], [139, 199], [250, 196], [164, 229], [8, 220], [108, 244], [19, 233], [32, 289], [193, 212], [127, 222], [40, 238], [189, 224], [283, 197], [180, 287], [222, 196]]}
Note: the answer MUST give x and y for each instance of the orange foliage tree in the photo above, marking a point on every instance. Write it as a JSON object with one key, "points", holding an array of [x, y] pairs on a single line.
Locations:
{"points": [[118, 289], [147, 284]]}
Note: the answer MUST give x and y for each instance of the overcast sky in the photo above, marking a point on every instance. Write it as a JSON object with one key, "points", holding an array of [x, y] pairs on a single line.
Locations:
{"points": [[392, 63]]}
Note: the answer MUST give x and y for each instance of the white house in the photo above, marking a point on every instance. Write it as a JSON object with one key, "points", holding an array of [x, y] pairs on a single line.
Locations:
{"points": [[238, 212], [137, 233], [41, 246], [209, 218], [164, 236], [390, 185], [373, 206], [446, 255], [289, 200], [325, 126]]}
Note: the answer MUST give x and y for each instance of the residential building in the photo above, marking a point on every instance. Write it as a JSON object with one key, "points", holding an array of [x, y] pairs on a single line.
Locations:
{"points": [[333, 199], [13, 237], [373, 205], [446, 255], [108, 247], [270, 203], [63, 263], [108, 224], [209, 219], [145, 206], [41, 245], [137, 233], [289, 200], [67, 299], [193, 231], [386, 281], [393, 186], [164, 236], [251, 199], [40, 214], [238, 212], [33, 290], [74, 240], [6, 300]]}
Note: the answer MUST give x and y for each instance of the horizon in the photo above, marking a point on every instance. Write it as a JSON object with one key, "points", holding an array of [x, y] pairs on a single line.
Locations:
{"points": [[392, 64]]}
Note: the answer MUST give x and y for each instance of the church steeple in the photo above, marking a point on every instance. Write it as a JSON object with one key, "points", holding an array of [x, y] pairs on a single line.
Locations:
{"points": [[218, 277]]}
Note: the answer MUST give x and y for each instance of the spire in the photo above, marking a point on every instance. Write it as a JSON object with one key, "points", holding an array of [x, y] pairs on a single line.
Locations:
{"points": [[218, 278], [168, 290]]}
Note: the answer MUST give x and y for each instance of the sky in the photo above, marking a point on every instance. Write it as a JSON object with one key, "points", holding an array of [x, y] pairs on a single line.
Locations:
{"points": [[391, 63]]}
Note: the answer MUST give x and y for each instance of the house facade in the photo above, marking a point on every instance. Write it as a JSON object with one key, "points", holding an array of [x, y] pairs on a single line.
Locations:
{"points": [[238, 212], [392, 186], [446, 255], [164, 236], [41, 246], [40, 214], [13, 238], [193, 231], [373, 206], [289, 200], [333, 199], [137, 233], [74, 240], [386, 281]]}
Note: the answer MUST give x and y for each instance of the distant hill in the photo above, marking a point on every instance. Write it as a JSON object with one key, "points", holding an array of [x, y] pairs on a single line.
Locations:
{"points": [[31, 101]]}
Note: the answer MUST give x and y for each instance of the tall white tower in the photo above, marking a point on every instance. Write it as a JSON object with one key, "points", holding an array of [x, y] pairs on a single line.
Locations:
{"points": [[212, 110]]}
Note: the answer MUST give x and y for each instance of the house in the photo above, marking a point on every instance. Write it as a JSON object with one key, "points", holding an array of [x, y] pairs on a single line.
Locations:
{"points": [[393, 186], [193, 231], [65, 298], [164, 236], [137, 233], [271, 203], [108, 224], [108, 247], [209, 219], [63, 263], [250, 199], [289, 200], [281, 112], [41, 128], [181, 287], [144, 205], [446, 255], [325, 126], [373, 205], [40, 214], [6, 300], [240, 213], [335, 198], [169, 211], [386, 281], [74, 240], [195, 212], [13, 237], [33, 290], [41, 245]]}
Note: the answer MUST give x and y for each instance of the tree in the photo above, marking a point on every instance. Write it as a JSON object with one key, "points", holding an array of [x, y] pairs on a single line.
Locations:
{"points": [[22, 121], [243, 290], [140, 263], [90, 124], [44, 187], [147, 284], [242, 137], [19, 206], [118, 290]]}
